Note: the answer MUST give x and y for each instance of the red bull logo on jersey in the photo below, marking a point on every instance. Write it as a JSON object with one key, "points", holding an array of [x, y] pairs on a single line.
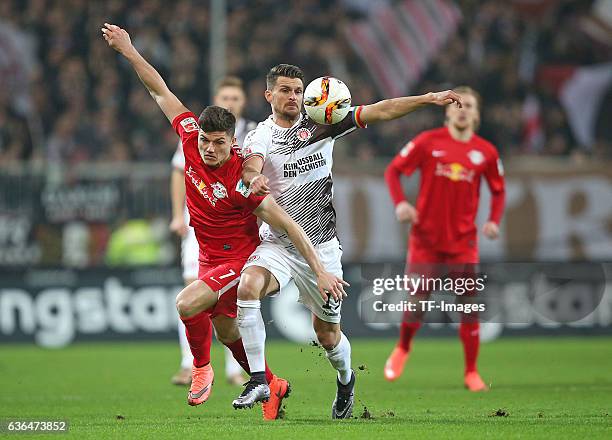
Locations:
{"points": [[454, 171], [201, 186]]}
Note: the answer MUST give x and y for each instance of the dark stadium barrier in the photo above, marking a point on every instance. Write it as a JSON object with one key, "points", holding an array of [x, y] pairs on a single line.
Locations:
{"points": [[56, 307]]}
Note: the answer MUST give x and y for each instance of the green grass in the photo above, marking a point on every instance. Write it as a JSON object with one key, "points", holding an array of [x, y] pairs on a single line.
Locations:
{"points": [[551, 388]]}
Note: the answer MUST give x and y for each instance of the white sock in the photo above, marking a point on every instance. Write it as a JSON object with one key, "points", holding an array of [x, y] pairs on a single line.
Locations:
{"points": [[340, 358], [186, 356], [232, 367], [253, 333]]}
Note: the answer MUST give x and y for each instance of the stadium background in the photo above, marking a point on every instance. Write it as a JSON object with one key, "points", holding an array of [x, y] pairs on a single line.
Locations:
{"points": [[89, 268]]}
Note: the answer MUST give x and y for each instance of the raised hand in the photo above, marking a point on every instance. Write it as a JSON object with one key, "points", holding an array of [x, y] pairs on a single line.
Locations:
{"points": [[116, 38]]}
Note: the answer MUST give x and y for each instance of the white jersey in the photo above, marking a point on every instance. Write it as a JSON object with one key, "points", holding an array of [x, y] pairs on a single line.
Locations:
{"points": [[298, 163], [243, 126]]}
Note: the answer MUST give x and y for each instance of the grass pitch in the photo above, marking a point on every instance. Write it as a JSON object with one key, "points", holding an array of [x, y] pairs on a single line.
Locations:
{"points": [[540, 388]]}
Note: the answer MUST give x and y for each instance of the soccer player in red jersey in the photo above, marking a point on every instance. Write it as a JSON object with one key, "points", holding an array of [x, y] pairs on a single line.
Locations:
{"points": [[222, 212], [230, 95], [452, 160]]}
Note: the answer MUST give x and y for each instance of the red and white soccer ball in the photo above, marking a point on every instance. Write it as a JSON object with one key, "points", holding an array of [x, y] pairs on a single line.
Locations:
{"points": [[327, 100]]}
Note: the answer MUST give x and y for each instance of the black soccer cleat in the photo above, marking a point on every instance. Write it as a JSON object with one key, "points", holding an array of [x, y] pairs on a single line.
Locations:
{"points": [[342, 408]]}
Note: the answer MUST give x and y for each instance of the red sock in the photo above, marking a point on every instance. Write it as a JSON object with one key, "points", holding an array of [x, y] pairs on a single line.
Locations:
{"points": [[469, 332], [199, 334], [407, 332], [237, 350]]}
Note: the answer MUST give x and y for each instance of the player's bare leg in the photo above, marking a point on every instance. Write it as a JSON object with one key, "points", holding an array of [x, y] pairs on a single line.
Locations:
{"points": [[255, 283], [183, 375], [192, 303], [338, 351]]}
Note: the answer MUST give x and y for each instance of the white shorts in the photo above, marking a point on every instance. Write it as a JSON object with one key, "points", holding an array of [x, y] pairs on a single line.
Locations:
{"points": [[289, 265], [190, 254]]}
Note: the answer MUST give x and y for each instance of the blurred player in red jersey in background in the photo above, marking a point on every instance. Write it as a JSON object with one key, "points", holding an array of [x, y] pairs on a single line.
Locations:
{"points": [[451, 160], [230, 95], [221, 211]]}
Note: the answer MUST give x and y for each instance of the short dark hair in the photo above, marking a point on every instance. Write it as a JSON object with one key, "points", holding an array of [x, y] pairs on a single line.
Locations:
{"points": [[229, 81], [287, 70], [215, 118]]}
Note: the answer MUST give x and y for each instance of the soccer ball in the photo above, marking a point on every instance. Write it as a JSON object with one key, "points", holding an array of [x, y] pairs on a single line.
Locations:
{"points": [[327, 100]]}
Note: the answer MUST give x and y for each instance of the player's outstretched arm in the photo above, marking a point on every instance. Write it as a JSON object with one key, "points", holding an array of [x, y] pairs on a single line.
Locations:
{"points": [[389, 109], [119, 40], [329, 284]]}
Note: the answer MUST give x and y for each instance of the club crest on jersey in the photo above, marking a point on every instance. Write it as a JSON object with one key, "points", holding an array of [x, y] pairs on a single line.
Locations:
{"points": [[304, 134], [476, 157], [219, 190], [190, 124]]}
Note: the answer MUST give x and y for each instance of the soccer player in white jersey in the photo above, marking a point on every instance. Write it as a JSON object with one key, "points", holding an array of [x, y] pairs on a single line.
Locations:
{"points": [[231, 96], [290, 156]]}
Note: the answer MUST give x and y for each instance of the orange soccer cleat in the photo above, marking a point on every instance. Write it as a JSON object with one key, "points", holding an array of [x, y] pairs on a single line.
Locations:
{"points": [[474, 382], [279, 390], [395, 364], [201, 384]]}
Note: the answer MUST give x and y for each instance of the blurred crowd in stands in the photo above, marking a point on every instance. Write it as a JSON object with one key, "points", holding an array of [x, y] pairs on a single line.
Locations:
{"points": [[73, 99]]}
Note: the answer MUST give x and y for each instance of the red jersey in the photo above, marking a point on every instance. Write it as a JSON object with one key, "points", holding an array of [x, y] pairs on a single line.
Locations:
{"points": [[450, 187], [220, 205]]}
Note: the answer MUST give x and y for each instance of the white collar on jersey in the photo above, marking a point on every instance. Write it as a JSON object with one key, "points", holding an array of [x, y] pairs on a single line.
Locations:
{"points": [[278, 127]]}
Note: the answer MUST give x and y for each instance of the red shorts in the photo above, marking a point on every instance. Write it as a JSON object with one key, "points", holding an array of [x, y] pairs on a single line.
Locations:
{"points": [[430, 263], [421, 254], [223, 279]]}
